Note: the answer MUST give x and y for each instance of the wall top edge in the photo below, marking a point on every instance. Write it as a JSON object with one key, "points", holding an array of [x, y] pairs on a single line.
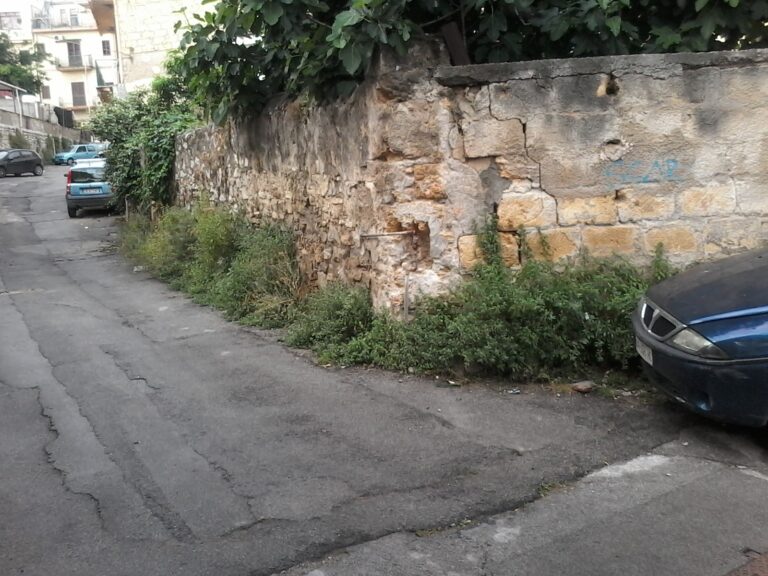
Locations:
{"points": [[659, 65]]}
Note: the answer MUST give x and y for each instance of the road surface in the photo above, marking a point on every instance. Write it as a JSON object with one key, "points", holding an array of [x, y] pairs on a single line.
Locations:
{"points": [[141, 434]]}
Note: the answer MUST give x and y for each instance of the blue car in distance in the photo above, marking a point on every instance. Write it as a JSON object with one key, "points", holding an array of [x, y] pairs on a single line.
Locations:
{"points": [[87, 186], [703, 338], [78, 152]]}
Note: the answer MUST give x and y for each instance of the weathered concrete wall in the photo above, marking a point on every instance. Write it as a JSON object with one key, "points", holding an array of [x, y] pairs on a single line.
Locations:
{"points": [[609, 154], [35, 131]]}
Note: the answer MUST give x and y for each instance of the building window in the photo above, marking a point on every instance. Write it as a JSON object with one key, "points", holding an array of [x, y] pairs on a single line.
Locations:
{"points": [[74, 55], [46, 92], [10, 20], [106, 49], [74, 17], [78, 94]]}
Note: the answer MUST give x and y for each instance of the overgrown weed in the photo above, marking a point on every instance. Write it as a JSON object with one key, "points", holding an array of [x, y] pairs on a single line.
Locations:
{"points": [[540, 322]]}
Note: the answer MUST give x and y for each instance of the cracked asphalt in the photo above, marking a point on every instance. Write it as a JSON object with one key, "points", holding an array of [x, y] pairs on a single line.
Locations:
{"points": [[142, 434]]}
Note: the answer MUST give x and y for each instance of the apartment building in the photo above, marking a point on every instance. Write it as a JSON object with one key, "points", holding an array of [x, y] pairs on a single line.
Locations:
{"points": [[81, 68], [145, 33]]}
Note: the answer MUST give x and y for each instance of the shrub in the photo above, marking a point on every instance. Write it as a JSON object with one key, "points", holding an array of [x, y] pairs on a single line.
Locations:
{"points": [[215, 244], [539, 322], [167, 249], [330, 318], [49, 150], [263, 281], [18, 140], [248, 272]]}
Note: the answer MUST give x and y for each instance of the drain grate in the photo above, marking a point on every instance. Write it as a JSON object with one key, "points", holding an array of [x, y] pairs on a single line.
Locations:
{"points": [[756, 567]]}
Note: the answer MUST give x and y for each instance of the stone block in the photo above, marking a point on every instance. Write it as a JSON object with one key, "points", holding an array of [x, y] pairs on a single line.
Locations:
{"points": [[428, 182], [519, 167], [534, 209], [595, 210], [490, 137], [729, 235], [677, 240], [408, 131], [752, 198], [510, 249], [608, 240], [554, 245], [470, 254], [636, 206], [715, 200]]}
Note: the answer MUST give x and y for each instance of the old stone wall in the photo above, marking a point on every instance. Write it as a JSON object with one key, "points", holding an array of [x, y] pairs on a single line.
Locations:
{"points": [[613, 154]]}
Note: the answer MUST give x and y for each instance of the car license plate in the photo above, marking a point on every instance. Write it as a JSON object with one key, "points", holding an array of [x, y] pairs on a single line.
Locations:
{"points": [[91, 191], [645, 351]]}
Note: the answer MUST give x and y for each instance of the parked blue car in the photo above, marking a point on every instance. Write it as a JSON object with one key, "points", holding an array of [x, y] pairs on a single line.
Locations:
{"points": [[703, 338], [78, 152], [87, 186]]}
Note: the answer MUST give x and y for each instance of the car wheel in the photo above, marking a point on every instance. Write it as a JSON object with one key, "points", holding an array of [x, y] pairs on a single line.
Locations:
{"points": [[2, 172], [72, 212], [38, 170], [70, 161]]}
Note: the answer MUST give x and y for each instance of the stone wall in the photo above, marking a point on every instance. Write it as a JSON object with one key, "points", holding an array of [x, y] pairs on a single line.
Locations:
{"points": [[35, 131], [614, 155]]}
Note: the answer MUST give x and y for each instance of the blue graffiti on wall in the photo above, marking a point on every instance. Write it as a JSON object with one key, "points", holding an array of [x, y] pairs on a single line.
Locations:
{"points": [[643, 171]]}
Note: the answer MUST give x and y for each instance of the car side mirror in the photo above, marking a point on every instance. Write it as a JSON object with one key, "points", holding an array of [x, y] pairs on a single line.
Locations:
{"points": [[65, 175]]}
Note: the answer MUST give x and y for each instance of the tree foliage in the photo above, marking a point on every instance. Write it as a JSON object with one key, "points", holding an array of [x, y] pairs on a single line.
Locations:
{"points": [[242, 52], [21, 68], [142, 130]]}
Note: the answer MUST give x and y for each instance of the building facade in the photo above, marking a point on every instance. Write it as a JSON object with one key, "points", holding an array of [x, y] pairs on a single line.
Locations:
{"points": [[145, 33], [81, 68]]}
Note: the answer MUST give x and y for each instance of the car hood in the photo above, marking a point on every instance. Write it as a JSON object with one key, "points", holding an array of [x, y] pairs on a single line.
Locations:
{"points": [[728, 288]]}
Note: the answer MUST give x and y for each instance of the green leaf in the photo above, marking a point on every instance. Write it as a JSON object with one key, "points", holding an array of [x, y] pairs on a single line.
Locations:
{"points": [[614, 24], [347, 18], [272, 12], [700, 4], [351, 58]]}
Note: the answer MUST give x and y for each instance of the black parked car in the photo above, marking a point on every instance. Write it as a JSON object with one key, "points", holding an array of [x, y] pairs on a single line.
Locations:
{"points": [[16, 161], [703, 338]]}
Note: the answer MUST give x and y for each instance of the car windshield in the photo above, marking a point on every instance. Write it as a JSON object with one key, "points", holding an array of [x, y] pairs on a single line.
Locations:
{"points": [[85, 175]]}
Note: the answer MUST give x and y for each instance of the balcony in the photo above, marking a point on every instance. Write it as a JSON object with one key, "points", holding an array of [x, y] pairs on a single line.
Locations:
{"points": [[42, 22], [74, 63]]}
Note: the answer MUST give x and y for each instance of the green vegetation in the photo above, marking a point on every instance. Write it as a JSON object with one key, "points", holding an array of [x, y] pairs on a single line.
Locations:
{"points": [[245, 51], [21, 68], [49, 149], [539, 322], [142, 130], [18, 140], [248, 272]]}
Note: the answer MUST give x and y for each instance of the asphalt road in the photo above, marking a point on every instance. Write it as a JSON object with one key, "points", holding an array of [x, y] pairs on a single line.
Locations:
{"points": [[141, 434]]}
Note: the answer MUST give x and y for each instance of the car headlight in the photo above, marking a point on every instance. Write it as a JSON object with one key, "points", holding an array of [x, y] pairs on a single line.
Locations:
{"points": [[693, 342]]}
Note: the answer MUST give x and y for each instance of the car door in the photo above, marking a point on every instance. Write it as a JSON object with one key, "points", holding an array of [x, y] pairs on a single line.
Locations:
{"points": [[91, 151], [28, 161], [81, 152], [15, 162]]}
